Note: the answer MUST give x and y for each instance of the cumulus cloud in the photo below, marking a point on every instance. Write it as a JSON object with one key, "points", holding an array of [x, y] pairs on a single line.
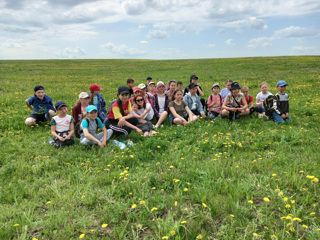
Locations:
{"points": [[159, 34], [144, 42], [134, 7], [251, 23], [71, 53], [121, 50], [211, 45], [296, 32], [229, 41], [259, 42]]}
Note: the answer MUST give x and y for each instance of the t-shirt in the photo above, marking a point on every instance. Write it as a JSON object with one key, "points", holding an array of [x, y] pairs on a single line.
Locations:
{"points": [[249, 100], [149, 115], [38, 108], [216, 99], [194, 103], [92, 126], [261, 97], [180, 109], [161, 102], [95, 101], [62, 124], [115, 110], [224, 92], [231, 100]]}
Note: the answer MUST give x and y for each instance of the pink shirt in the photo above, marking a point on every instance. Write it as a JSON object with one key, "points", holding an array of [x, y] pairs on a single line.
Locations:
{"points": [[216, 99]]}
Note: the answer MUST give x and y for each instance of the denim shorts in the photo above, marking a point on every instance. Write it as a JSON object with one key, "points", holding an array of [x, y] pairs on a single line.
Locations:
{"points": [[171, 118], [38, 117]]}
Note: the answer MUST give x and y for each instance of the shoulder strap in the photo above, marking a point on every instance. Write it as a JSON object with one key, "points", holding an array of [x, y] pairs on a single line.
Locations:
{"points": [[235, 100], [221, 100]]}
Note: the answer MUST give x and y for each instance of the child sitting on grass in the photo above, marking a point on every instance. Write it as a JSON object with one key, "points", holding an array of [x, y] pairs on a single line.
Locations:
{"points": [[261, 96], [89, 126], [214, 102], [41, 106], [249, 99], [144, 125], [152, 88], [280, 111], [62, 127], [193, 100]]}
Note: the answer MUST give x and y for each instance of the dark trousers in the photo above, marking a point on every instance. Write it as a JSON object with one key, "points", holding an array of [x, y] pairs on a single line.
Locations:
{"points": [[125, 130]]}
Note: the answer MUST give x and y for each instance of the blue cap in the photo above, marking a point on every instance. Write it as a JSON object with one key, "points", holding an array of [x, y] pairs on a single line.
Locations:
{"points": [[149, 78], [281, 83], [60, 104], [90, 108]]}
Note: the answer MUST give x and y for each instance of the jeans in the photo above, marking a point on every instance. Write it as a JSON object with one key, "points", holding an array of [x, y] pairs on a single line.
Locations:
{"points": [[277, 118]]}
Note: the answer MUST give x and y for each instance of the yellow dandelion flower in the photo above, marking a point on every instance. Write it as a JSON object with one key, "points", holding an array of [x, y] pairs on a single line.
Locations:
{"points": [[293, 201], [315, 180], [185, 189], [134, 206], [34, 238], [231, 215], [199, 236], [16, 225], [239, 144], [165, 237], [82, 235], [280, 194], [48, 202], [142, 202], [266, 199], [250, 201], [288, 217], [277, 190], [285, 199], [296, 219], [273, 174], [265, 227], [154, 188], [154, 209], [274, 237], [83, 196], [310, 177], [305, 226], [288, 206], [203, 204], [175, 203], [158, 147], [313, 213], [104, 225], [292, 229], [173, 233], [183, 222], [171, 166]]}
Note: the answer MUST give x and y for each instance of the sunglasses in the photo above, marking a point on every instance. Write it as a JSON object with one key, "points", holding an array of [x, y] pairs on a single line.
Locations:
{"points": [[140, 100]]}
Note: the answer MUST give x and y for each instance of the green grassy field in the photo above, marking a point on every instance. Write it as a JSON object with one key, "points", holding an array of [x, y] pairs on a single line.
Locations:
{"points": [[249, 179]]}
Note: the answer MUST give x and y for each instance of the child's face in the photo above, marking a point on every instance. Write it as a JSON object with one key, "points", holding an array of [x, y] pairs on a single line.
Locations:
{"points": [[140, 101], [92, 115], [193, 90], [282, 89], [40, 94], [63, 110], [136, 93], [215, 90], [135, 107], [245, 92], [152, 87], [194, 80], [130, 85], [172, 86], [123, 97], [178, 96], [228, 85], [160, 88], [264, 88], [179, 86], [85, 101], [235, 92]]}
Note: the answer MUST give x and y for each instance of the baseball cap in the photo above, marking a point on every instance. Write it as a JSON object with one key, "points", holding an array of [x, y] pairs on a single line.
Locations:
{"points": [[135, 89], [142, 86], [281, 83], [149, 78], [215, 85], [38, 87], [151, 83], [160, 83], [95, 87], [193, 76], [123, 89], [91, 108], [83, 95], [60, 104], [192, 85]]}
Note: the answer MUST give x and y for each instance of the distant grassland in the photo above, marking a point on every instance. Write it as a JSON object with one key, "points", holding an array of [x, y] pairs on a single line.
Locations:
{"points": [[249, 179]]}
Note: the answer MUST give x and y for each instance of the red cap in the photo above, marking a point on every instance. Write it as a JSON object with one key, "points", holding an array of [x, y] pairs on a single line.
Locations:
{"points": [[135, 89], [95, 87]]}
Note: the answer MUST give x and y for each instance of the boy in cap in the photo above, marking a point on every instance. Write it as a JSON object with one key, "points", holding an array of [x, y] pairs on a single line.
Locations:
{"points": [[62, 127], [41, 106], [194, 79], [280, 111]]}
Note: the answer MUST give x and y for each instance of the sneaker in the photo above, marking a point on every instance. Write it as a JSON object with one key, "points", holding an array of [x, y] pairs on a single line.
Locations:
{"points": [[260, 115], [51, 141], [156, 126]]}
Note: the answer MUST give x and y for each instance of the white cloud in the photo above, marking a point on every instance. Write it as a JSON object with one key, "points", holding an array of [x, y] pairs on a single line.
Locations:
{"points": [[134, 7], [71, 53], [211, 45], [251, 23], [303, 48], [296, 32], [259, 42], [144, 42], [159, 34], [229, 41], [121, 50]]}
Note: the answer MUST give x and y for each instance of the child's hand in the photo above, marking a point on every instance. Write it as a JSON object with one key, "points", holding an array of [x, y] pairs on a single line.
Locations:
{"points": [[121, 122], [61, 139], [203, 115], [139, 131], [287, 115], [101, 144], [283, 116]]}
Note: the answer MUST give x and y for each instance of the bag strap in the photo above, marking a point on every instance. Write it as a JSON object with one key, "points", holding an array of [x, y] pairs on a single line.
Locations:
{"points": [[236, 101]]}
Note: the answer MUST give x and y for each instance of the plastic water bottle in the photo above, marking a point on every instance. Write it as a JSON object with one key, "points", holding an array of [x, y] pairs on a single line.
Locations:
{"points": [[130, 143], [121, 145]]}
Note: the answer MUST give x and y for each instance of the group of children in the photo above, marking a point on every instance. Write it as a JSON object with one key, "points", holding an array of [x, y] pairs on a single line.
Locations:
{"points": [[137, 107]]}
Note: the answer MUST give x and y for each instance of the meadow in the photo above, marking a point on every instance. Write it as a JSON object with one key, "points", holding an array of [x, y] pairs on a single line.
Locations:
{"points": [[248, 179]]}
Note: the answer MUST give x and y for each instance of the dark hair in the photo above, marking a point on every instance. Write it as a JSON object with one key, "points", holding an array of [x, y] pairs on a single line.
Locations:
{"points": [[120, 106], [130, 80], [91, 97], [171, 81], [179, 82], [144, 102], [174, 93]]}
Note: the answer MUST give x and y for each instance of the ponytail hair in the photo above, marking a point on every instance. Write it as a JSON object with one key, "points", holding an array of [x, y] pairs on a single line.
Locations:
{"points": [[120, 106]]}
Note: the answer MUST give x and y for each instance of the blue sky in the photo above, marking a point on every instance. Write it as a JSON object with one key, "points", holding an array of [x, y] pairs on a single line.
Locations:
{"points": [[158, 29]]}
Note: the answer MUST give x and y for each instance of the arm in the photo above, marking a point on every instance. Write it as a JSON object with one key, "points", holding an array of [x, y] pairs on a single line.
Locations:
{"points": [[245, 104], [53, 132], [89, 136], [133, 127], [29, 106], [105, 135], [200, 91], [224, 106], [200, 108], [175, 114], [71, 131], [189, 113]]}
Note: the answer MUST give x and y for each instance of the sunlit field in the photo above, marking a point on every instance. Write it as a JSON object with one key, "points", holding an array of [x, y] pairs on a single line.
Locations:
{"points": [[247, 179]]}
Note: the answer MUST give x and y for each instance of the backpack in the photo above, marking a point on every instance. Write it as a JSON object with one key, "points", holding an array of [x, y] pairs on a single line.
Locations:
{"points": [[78, 130], [268, 104], [221, 101]]}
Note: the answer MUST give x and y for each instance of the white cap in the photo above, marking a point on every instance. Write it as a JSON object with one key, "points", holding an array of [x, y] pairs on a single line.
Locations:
{"points": [[83, 95]]}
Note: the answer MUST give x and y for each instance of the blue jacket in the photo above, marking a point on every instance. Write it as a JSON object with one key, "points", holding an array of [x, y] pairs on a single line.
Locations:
{"points": [[102, 111], [187, 98]]}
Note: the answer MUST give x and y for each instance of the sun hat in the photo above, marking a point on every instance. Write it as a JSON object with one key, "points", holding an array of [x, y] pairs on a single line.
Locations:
{"points": [[91, 108], [281, 83], [60, 104], [123, 90], [136, 89], [95, 87], [215, 85], [142, 86], [83, 95], [235, 85]]}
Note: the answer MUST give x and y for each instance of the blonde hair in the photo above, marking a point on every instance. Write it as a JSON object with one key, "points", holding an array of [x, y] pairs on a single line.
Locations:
{"points": [[244, 88], [264, 83], [229, 80]]}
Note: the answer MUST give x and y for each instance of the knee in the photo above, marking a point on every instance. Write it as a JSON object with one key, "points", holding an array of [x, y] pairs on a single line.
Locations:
{"points": [[51, 113], [164, 114], [30, 121]]}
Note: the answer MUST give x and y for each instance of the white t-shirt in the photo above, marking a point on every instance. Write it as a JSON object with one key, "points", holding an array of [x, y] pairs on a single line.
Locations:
{"points": [[161, 102], [62, 124], [261, 97], [149, 115]]}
